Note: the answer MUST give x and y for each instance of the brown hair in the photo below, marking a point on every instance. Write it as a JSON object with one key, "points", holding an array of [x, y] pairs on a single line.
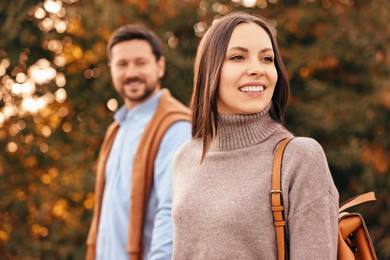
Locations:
{"points": [[207, 70], [135, 31]]}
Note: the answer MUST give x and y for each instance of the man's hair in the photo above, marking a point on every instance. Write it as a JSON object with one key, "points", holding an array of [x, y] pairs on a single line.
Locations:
{"points": [[207, 72], [132, 32]]}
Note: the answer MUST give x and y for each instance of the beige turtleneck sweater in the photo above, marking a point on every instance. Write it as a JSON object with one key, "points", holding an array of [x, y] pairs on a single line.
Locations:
{"points": [[221, 208]]}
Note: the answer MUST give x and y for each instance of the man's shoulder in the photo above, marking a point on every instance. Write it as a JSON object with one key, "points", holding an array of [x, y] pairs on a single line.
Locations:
{"points": [[112, 127], [170, 104]]}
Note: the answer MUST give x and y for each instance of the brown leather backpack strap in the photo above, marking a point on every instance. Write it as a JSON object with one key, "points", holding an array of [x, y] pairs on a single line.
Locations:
{"points": [[357, 200], [276, 201]]}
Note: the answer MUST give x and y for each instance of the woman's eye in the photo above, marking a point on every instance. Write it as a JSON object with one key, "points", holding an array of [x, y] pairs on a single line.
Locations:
{"points": [[268, 59], [237, 57]]}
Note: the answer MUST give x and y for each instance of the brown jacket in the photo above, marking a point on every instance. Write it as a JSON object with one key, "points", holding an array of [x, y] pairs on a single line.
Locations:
{"points": [[168, 111]]}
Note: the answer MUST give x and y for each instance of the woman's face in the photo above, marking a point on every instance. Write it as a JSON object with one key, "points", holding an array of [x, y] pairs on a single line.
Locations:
{"points": [[248, 75]]}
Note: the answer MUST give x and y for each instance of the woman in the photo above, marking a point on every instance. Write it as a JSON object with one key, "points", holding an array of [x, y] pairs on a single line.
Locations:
{"points": [[222, 177]]}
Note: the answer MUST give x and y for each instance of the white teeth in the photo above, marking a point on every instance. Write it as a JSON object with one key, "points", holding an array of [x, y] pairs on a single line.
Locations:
{"points": [[252, 89]]}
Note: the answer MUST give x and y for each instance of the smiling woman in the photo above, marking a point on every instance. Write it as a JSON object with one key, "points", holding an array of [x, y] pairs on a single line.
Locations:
{"points": [[248, 75], [222, 178]]}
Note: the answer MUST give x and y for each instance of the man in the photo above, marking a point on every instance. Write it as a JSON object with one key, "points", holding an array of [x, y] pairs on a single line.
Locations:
{"points": [[132, 212]]}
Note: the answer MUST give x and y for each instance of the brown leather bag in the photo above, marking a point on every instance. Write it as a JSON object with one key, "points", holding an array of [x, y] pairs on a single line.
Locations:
{"points": [[354, 241]]}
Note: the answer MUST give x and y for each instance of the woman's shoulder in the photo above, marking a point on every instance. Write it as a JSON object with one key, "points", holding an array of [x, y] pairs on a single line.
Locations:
{"points": [[306, 159], [186, 159], [307, 175], [188, 150], [306, 147]]}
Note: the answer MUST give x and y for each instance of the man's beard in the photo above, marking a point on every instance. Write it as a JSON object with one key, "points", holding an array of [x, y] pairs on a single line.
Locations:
{"points": [[147, 91]]}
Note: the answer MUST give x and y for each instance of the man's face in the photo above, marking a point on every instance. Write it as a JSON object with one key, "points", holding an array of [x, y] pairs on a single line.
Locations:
{"points": [[135, 71]]}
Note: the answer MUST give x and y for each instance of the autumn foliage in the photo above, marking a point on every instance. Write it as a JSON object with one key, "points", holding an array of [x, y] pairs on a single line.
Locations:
{"points": [[56, 101]]}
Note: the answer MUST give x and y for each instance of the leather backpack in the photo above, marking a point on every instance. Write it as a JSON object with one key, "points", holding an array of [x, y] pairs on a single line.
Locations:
{"points": [[354, 241]]}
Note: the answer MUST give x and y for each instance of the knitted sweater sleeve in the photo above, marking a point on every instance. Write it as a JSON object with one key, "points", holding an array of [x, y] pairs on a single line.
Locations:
{"points": [[311, 203]]}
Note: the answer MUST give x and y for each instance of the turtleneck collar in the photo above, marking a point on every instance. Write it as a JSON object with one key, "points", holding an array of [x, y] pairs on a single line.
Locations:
{"points": [[239, 131]]}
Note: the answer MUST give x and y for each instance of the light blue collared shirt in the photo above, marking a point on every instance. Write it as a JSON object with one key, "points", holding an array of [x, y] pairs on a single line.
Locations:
{"points": [[114, 218]]}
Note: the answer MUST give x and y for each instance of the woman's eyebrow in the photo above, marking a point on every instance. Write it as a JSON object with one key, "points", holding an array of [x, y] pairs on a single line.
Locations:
{"points": [[240, 48]]}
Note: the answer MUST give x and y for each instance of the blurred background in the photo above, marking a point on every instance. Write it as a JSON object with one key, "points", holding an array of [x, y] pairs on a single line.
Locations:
{"points": [[56, 101]]}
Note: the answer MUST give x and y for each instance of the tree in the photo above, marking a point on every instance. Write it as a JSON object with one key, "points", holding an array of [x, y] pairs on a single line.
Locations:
{"points": [[52, 125]]}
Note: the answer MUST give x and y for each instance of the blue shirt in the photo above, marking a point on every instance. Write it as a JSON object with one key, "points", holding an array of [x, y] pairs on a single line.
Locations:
{"points": [[114, 216]]}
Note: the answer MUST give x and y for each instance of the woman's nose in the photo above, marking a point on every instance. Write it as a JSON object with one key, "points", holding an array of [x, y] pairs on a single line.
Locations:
{"points": [[256, 68]]}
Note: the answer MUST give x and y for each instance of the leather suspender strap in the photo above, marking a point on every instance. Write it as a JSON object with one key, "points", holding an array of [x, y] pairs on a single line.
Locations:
{"points": [[276, 201]]}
